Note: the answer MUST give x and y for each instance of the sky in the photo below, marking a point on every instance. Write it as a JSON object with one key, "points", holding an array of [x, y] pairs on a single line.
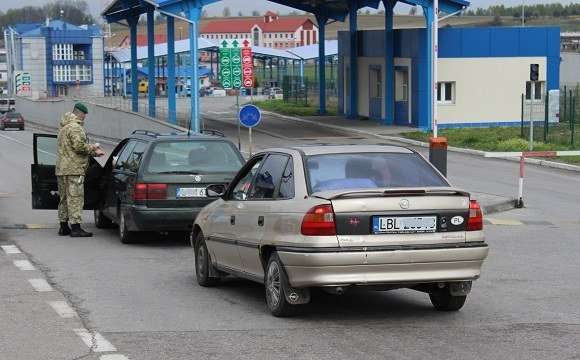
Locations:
{"points": [[262, 6]]}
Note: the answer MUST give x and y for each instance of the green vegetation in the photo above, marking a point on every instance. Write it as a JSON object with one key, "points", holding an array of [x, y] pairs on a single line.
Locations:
{"points": [[508, 139], [291, 108]]}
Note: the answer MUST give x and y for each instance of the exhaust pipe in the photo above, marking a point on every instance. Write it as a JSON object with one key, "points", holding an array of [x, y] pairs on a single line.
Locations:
{"points": [[335, 290]]}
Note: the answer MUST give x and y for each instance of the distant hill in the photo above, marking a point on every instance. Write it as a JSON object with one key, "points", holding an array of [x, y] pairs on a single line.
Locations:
{"points": [[373, 22]]}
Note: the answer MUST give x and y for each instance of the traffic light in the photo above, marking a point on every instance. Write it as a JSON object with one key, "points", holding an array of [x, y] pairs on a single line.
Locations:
{"points": [[534, 72]]}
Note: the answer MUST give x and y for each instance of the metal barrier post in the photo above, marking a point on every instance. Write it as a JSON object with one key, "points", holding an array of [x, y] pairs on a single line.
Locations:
{"points": [[438, 153]]}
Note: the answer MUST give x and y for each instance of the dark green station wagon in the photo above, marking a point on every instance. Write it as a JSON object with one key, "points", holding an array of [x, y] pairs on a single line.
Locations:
{"points": [[151, 182]]}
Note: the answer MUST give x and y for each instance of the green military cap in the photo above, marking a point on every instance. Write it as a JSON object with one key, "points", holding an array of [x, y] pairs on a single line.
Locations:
{"points": [[82, 107]]}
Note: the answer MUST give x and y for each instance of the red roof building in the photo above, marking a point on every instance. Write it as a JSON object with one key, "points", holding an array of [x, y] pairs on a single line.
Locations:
{"points": [[142, 40], [269, 31]]}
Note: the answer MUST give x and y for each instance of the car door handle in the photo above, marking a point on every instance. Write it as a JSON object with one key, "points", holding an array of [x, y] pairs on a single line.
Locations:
{"points": [[260, 221], [233, 220]]}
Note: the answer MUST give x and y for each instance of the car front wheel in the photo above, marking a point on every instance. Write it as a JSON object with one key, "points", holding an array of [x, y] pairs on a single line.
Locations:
{"points": [[444, 301], [203, 263], [275, 294]]}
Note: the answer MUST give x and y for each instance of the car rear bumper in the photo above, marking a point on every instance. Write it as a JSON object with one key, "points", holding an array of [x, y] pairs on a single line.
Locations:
{"points": [[13, 125], [309, 267], [151, 219]]}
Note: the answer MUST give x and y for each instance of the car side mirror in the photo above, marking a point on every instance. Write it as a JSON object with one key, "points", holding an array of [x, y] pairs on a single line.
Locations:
{"points": [[215, 190]]}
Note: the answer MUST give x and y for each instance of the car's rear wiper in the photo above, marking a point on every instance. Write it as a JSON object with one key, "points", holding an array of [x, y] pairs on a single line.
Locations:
{"points": [[179, 172]]}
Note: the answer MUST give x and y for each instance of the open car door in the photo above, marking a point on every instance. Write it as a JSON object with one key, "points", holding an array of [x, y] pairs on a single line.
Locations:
{"points": [[44, 185]]}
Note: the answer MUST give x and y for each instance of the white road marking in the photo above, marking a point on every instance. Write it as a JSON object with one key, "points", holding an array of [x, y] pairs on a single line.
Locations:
{"points": [[63, 309], [24, 265], [218, 112], [95, 341], [11, 249], [113, 357], [17, 141], [40, 285]]}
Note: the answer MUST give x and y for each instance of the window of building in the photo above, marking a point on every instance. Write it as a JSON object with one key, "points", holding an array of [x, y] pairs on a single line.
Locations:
{"points": [[256, 37], [269, 36], [401, 85], [62, 52], [538, 90], [376, 85], [446, 92]]}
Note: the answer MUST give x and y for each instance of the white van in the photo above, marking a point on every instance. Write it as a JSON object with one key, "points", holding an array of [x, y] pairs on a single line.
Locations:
{"points": [[7, 105]]}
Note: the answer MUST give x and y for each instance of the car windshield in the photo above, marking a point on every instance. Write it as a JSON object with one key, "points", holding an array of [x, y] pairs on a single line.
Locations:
{"points": [[13, 115], [194, 157], [368, 171]]}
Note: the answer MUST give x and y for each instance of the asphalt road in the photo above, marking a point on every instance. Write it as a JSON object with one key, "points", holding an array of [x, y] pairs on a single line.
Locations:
{"points": [[142, 301]]}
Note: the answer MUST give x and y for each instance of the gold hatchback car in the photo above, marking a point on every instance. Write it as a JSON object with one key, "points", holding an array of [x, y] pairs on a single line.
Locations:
{"points": [[338, 217]]}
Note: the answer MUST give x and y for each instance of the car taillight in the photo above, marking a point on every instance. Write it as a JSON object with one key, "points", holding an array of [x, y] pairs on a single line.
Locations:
{"points": [[21, 120], [150, 191], [319, 221], [475, 220]]}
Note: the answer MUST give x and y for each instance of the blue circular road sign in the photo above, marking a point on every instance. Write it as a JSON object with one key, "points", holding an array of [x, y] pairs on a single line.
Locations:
{"points": [[250, 115]]}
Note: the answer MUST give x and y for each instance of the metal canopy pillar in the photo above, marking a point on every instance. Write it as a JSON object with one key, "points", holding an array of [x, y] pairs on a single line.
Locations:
{"points": [[426, 123], [134, 71], [353, 108], [171, 70], [193, 16], [151, 60], [321, 20], [389, 74]]}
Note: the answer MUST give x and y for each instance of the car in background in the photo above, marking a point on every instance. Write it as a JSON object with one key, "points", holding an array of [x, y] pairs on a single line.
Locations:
{"points": [[11, 120], [7, 105], [272, 92], [219, 92], [337, 217], [152, 182], [277, 94]]}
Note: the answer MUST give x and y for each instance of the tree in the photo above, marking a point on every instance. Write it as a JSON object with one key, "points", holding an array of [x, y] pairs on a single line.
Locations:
{"points": [[413, 11], [203, 14], [227, 12], [240, 14], [255, 13], [75, 12]]}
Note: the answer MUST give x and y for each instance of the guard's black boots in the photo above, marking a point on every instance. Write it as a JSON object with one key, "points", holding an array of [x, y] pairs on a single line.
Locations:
{"points": [[64, 229], [76, 231]]}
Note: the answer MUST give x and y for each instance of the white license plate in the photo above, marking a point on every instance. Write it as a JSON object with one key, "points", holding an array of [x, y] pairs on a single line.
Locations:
{"points": [[13, 120], [190, 192], [404, 224]]}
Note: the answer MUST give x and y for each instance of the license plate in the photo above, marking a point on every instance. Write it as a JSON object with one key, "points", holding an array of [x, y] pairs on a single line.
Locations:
{"points": [[190, 192], [13, 120], [404, 224]]}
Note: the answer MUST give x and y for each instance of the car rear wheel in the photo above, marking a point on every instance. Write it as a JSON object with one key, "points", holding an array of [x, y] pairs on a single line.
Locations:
{"points": [[444, 301], [275, 294], [203, 263], [126, 236], [101, 221]]}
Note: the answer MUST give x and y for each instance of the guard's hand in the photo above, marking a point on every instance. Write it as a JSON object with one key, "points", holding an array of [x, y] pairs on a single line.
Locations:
{"points": [[100, 153]]}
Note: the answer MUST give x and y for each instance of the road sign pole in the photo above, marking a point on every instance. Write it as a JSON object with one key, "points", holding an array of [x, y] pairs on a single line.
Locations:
{"points": [[250, 139], [238, 109]]}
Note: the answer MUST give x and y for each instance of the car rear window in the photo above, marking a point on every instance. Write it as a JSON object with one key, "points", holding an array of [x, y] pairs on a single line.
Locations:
{"points": [[370, 170], [197, 156], [13, 115]]}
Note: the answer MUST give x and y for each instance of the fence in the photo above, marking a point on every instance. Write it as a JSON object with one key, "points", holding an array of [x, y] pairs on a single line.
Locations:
{"points": [[563, 131], [299, 90]]}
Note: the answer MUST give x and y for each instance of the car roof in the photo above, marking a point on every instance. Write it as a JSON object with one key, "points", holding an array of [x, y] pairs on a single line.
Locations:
{"points": [[206, 134], [332, 149]]}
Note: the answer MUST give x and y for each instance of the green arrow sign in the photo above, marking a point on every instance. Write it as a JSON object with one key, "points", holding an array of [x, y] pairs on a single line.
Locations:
{"points": [[230, 64]]}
